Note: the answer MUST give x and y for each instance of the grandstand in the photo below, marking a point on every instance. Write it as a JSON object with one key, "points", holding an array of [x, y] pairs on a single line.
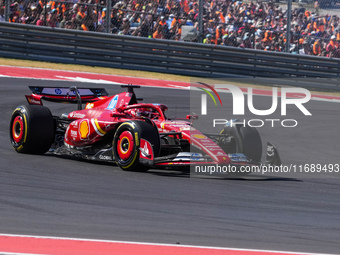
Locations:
{"points": [[256, 25]]}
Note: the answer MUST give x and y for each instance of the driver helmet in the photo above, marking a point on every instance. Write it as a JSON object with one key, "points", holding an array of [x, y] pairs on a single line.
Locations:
{"points": [[144, 112]]}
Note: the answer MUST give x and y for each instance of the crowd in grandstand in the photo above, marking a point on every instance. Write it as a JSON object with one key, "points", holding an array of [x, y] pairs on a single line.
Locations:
{"points": [[258, 25]]}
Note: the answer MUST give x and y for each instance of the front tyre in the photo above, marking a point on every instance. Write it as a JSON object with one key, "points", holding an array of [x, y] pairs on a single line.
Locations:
{"points": [[32, 129], [247, 140], [126, 144]]}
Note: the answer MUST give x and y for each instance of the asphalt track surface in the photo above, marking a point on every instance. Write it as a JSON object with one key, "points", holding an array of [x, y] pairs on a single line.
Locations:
{"points": [[52, 196]]}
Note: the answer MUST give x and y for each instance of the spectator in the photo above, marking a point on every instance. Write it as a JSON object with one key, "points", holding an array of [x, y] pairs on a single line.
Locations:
{"points": [[207, 39], [246, 43], [80, 16], [159, 33], [66, 18], [317, 48], [332, 46], [306, 49], [33, 15], [52, 19], [14, 17], [41, 20], [259, 25], [2, 13], [125, 27], [219, 33]]}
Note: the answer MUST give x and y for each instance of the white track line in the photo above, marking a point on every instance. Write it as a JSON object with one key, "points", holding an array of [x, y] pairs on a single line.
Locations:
{"points": [[161, 244]]}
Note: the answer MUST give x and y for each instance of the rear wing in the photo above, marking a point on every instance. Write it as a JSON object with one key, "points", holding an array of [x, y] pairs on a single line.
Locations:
{"points": [[65, 95]]}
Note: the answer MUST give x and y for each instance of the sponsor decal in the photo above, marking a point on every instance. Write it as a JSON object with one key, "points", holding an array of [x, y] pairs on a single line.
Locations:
{"points": [[238, 157], [25, 121], [89, 106], [180, 125], [136, 139], [212, 146], [113, 103], [33, 101], [145, 150], [74, 133], [58, 91], [103, 157], [84, 129], [198, 136], [174, 124], [76, 115], [205, 141], [195, 156], [215, 149]]}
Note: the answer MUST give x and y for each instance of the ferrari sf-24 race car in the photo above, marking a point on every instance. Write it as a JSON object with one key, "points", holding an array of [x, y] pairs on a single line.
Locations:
{"points": [[136, 136]]}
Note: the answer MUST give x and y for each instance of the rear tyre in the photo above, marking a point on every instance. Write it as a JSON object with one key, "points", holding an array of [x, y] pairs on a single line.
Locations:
{"points": [[32, 129], [126, 142], [247, 140]]}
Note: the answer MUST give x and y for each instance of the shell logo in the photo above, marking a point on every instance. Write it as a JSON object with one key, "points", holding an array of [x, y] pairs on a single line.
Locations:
{"points": [[199, 136], [84, 129]]}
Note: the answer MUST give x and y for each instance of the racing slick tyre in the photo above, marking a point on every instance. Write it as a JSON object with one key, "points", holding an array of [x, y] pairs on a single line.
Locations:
{"points": [[247, 141], [126, 143], [32, 129]]}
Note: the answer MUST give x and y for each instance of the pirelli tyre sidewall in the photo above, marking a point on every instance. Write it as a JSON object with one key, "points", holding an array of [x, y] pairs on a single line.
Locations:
{"points": [[248, 141], [126, 143], [32, 129]]}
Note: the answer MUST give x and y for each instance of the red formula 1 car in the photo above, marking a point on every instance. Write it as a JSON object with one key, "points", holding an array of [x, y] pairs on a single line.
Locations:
{"points": [[136, 136]]}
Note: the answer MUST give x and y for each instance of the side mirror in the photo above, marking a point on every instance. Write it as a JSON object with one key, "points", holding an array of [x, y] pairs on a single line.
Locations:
{"points": [[192, 117]]}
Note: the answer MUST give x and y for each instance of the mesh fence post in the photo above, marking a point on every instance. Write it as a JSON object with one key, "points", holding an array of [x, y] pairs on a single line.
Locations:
{"points": [[7, 7], [289, 24], [108, 16], [200, 21]]}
